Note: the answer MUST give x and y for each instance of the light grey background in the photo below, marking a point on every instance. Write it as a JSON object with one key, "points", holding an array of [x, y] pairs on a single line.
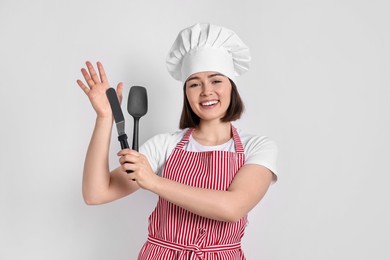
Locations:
{"points": [[318, 86]]}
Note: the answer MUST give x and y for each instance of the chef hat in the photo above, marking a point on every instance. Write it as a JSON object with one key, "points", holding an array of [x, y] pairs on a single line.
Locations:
{"points": [[207, 47]]}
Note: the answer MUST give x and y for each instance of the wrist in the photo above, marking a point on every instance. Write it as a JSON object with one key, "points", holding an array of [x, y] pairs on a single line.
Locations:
{"points": [[105, 119], [155, 184]]}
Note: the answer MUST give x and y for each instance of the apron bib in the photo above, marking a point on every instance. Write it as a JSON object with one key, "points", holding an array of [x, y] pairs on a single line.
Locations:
{"points": [[175, 233]]}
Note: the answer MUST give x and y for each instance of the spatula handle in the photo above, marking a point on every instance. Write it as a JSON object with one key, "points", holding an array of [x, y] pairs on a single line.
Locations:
{"points": [[124, 145], [123, 140]]}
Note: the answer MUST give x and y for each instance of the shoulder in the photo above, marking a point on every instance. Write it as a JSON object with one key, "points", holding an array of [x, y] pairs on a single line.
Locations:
{"points": [[166, 139], [261, 150], [252, 141]]}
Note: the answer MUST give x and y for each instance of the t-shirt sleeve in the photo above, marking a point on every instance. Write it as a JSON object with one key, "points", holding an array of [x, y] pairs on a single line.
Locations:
{"points": [[152, 149], [262, 151], [158, 148]]}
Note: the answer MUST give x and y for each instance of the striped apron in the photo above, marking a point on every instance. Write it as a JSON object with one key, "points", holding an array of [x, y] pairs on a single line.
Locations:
{"points": [[175, 233]]}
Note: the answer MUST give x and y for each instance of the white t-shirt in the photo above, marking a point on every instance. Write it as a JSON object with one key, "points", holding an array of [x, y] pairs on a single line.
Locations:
{"points": [[257, 149]]}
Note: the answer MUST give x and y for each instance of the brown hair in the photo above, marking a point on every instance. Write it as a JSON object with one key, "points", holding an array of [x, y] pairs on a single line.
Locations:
{"points": [[189, 119]]}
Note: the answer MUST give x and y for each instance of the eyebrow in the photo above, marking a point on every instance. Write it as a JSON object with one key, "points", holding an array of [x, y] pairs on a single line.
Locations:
{"points": [[209, 76]]}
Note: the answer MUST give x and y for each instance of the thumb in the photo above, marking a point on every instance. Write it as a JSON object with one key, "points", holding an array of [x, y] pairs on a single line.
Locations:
{"points": [[119, 91]]}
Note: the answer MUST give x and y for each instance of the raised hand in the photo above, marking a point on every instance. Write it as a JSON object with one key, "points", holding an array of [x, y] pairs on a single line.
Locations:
{"points": [[96, 89]]}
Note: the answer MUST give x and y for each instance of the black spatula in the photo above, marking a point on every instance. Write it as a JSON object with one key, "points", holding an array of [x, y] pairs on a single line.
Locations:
{"points": [[118, 117], [137, 106]]}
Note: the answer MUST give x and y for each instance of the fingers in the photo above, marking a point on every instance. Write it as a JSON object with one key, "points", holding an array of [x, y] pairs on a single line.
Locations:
{"points": [[129, 168], [83, 87], [87, 78], [128, 156], [102, 73], [127, 152], [139, 167], [92, 72], [90, 75], [119, 91], [131, 160]]}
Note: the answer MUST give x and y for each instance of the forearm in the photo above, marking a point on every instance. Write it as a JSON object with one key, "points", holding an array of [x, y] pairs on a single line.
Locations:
{"points": [[246, 190], [214, 204], [96, 176]]}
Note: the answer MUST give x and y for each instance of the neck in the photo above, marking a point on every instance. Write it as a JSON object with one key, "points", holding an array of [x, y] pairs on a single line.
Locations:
{"points": [[212, 133]]}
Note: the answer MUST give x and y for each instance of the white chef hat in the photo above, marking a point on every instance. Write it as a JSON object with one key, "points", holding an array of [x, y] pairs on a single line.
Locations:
{"points": [[207, 47]]}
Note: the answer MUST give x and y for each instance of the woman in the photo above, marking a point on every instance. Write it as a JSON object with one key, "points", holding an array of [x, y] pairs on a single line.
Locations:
{"points": [[209, 175]]}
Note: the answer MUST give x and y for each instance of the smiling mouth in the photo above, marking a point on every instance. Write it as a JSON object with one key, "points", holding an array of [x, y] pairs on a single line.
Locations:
{"points": [[209, 103]]}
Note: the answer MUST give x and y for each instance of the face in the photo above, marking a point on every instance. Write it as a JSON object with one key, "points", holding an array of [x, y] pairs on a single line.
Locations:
{"points": [[208, 94]]}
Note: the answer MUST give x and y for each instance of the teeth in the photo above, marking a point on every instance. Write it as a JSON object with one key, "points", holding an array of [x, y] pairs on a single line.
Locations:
{"points": [[209, 103]]}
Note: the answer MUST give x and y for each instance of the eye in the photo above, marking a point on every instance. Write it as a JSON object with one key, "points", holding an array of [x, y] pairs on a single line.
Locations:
{"points": [[193, 85], [216, 81]]}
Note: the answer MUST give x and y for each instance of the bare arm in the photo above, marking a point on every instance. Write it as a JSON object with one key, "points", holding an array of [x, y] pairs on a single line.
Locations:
{"points": [[99, 185], [248, 187]]}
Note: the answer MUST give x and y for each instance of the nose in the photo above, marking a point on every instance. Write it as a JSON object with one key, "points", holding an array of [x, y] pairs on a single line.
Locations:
{"points": [[207, 88]]}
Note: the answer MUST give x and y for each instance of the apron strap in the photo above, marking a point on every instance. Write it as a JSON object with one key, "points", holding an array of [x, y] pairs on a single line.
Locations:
{"points": [[237, 141], [195, 251], [185, 138]]}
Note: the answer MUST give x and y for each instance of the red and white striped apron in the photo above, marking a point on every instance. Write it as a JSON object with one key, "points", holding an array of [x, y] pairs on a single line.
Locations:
{"points": [[175, 233]]}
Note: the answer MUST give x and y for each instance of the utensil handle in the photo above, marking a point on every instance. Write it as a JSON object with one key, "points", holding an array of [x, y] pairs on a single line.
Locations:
{"points": [[135, 134], [124, 145], [123, 140]]}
